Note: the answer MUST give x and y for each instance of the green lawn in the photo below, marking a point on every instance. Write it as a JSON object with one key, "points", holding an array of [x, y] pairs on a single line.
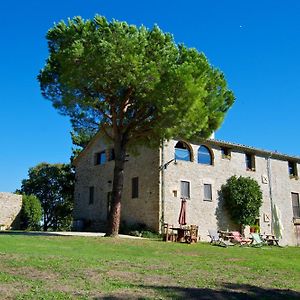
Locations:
{"points": [[52, 267]]}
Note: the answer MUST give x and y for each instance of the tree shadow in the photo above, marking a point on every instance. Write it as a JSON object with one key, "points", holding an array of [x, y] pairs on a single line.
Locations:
{"points": [[223, 219], [276, 222], [29, 233], [224, 292]]}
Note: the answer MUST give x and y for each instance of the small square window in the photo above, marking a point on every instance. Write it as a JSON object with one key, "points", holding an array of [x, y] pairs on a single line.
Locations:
{"points": [[100, 158], [185, 189], [250, 162], [207, 192], [293, 172], [226, 153]]}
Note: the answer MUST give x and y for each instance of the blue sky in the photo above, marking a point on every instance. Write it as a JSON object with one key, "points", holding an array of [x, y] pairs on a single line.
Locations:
{"points": [[255, 43]]}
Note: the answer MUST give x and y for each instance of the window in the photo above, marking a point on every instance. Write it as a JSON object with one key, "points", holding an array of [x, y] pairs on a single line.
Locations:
{"points": [[207, 192], [250, 162], [185, 189], [110, 154], [182, 152], [135, 187], [91, 195], [204, 156], [226, 153], [296, 206], [100, 158], [292, 169], [104, 156]]}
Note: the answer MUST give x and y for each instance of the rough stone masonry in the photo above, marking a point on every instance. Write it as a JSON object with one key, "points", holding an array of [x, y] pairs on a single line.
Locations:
{"points": [[10, 207]]}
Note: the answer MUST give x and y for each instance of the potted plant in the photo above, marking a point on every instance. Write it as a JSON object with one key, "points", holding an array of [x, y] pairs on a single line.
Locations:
{"points": [[254, 228]]}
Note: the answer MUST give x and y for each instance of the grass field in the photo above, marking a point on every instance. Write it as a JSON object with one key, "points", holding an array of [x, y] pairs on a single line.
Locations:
{"points": [[51, 267]]}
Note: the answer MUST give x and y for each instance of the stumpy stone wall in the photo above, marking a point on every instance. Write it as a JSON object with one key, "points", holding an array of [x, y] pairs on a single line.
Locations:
{"points": [[276, 190], [10, 206], [144, 209]]}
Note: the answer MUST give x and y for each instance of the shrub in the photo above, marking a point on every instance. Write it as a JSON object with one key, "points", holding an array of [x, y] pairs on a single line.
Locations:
{"points": [[243, 199], [31, 213], [138, 229]]}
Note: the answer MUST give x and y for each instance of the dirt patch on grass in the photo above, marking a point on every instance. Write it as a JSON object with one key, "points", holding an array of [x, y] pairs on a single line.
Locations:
{"points": [[11, 290], [32, 273], [137, 278], [233, 259]]}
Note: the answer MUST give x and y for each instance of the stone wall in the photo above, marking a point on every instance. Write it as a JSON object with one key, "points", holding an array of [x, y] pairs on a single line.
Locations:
{"points": [[10, 207], [159, 189], [144, 209], [211, 214]]}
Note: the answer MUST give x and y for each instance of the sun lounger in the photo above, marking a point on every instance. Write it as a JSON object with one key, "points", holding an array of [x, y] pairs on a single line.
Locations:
{"points": [[239, 239], [217, 240], [257, 241]]}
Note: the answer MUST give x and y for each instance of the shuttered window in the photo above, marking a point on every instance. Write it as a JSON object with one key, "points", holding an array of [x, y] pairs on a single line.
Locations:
{"points": [[185, 189], [135, 187], [296, 206], [91, 194], [207, 192]]}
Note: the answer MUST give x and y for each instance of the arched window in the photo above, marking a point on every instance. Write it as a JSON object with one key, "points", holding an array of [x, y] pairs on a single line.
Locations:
{"points": [[182, 151], [204, 156]]}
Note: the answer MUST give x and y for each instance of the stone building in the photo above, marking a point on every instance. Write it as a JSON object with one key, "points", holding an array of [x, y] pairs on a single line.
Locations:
{"points": [[157, 179], [10, 207]]}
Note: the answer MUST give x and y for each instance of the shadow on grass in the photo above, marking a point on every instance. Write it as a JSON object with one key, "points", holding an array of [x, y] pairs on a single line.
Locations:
{"points": [[30, 233], [224, 292]]}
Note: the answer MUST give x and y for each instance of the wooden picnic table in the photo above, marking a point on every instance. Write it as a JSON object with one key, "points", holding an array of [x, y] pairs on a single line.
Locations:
{"points": [[270, 239], [187, 234], [182, 233], [225, 235]]}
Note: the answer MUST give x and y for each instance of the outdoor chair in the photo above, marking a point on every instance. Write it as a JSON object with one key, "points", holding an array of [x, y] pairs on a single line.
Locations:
{"points": [[237, 238], [192, 236], [215, 239], [257, 241], [168, 233]]}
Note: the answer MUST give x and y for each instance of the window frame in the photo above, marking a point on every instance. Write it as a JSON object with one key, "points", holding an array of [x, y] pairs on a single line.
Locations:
{"points": [[295, 207], [251, 157], [98, 156], [224, 155], [293, 169], [185, 148], [211, 197], [182, 196], [209, 152]]}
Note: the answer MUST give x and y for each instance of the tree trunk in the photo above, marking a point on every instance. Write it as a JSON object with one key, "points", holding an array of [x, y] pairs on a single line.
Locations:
{"points": [[115, 212]]}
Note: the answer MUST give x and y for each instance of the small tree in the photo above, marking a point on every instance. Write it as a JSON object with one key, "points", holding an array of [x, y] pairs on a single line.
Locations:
{"points": [[31, 213], [53, 184], [243, 199]]}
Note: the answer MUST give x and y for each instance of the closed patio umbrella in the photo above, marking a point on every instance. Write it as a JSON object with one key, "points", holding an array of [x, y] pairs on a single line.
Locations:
{"points": [[182, 214]]}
